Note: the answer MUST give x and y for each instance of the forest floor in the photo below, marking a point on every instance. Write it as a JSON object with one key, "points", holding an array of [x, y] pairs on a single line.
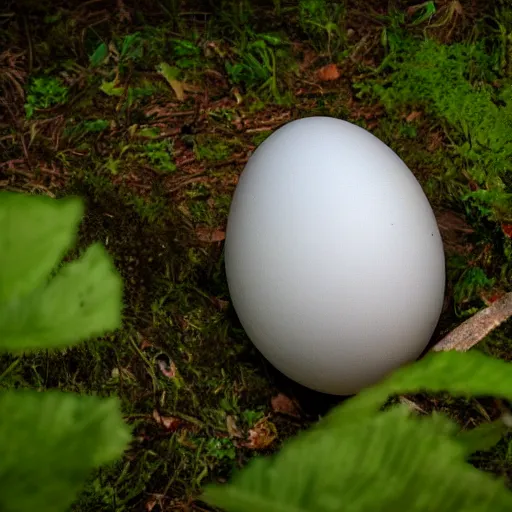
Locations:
{"points": [[150, 111]]}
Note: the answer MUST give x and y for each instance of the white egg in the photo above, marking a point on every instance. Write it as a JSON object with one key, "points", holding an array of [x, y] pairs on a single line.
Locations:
{"points": [[334, 260]]}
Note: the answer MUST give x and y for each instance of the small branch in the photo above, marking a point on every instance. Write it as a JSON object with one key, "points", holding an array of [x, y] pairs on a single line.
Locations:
{"points": [[198, 176], [476, 328]]}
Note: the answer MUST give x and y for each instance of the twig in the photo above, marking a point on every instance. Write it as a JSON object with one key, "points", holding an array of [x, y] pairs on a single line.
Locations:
{"points": [[476, 328], [187, 181], [260, 129], [16, 123], [27, 174], [237, 158]]}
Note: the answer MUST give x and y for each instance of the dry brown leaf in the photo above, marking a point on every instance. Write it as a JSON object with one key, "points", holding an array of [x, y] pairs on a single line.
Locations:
{"points": [[156, 499], [262, 435], [210, 235], [434, 141], [283, 405], [170, 423], [150, 505], [220, 303], [145, 344], [476, 328], [169, 370], [328, 73], [507, 229], [413, 116]]}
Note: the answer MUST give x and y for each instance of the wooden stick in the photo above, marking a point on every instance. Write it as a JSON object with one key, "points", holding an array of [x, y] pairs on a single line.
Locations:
{"points": [[476, 328]]}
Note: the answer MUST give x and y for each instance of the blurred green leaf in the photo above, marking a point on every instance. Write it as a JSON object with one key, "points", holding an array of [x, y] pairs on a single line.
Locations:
{"points": [[99, 55], [132, 46], [35, 233], [82, 300], [361, 459], [50, 443], [171, 74], [111, 89]]}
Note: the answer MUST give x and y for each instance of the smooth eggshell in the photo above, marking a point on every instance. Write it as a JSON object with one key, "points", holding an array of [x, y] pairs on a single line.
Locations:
{"points": [[334, 260]]}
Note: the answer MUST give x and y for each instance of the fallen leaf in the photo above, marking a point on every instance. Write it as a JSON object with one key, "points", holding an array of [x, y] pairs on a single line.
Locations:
{"points": [[156, 499], [145, 344], [182, 322], [413, 116], [170, 73], [110, 89], [170, 423], [281, 404], [434, 141], [99, 55], [507, 229], [328, 73], [178, 89], [210, 235], [220, 303], [233, 430], [366, 112], [169, 370], [262, 435], [473, 186], [150, 505]]}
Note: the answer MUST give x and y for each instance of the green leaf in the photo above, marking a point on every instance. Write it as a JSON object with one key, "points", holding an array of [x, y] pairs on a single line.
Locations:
{"points": [[168, 72], [50, 443], [361, 459], [110, 89], [150, 133], [171, 74], [388, 463], [131, 45], [483, 437], [459, 373], [82, 300], [96, 125], [425, 13], [35, 233], [99, 55]]}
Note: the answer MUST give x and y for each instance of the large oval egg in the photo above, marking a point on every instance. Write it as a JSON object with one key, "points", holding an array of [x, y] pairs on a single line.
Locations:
{"points": [[334, 260]]}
